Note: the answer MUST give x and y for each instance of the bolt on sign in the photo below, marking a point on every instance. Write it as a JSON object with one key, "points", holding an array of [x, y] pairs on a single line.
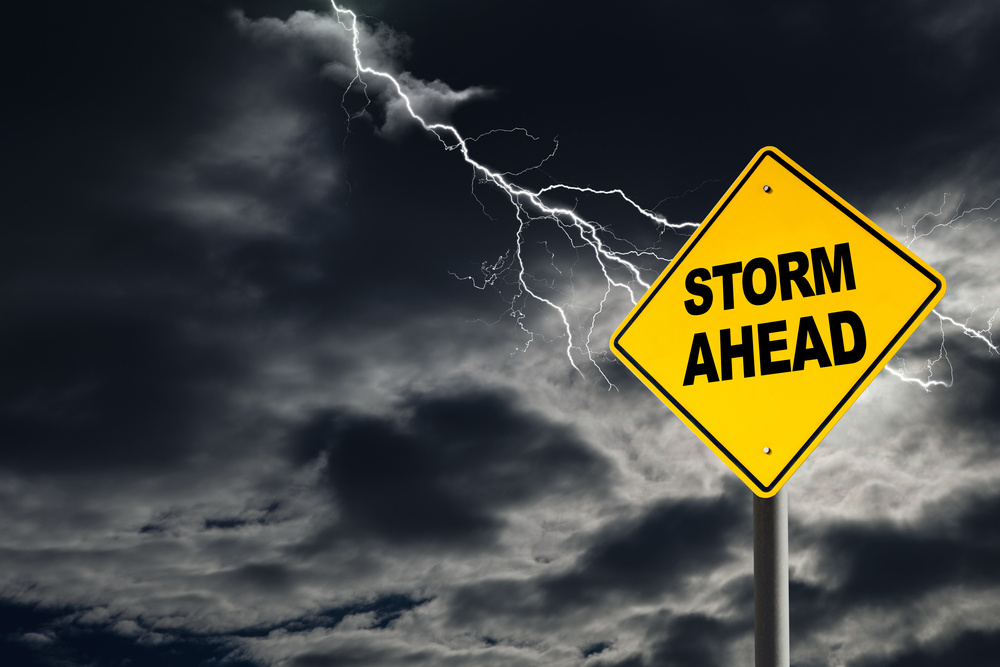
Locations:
{"points": [[772, 319]]}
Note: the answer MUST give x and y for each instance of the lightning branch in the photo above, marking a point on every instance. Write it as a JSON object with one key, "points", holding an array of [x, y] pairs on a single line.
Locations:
{"points": [[621, 269]]}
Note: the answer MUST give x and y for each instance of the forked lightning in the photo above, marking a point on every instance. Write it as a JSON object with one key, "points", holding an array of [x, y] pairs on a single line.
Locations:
{"points": [[596, 239]]}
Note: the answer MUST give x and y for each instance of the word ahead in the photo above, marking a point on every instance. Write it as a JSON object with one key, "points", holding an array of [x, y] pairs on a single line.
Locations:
{"points": [[792, 270], [772, 319], [809, 346]]}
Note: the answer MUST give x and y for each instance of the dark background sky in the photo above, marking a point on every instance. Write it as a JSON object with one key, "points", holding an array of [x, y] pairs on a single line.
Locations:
{"points": [[252, 408]]}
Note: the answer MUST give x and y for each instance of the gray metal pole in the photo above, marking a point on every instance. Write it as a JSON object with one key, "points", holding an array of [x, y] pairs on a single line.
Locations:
{"points": [[770, 580]]}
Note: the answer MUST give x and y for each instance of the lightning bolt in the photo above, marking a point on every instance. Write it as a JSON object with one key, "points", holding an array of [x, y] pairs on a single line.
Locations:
{"points": [[964, 218], [617, 259], [621, 264]]}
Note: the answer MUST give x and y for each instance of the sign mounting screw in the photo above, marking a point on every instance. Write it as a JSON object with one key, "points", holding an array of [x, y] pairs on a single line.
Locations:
{"points": [[767, 188], [767, 450]]}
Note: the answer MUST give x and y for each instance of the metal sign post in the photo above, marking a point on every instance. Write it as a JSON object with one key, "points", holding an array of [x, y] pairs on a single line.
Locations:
{"points": [[770, 580]]}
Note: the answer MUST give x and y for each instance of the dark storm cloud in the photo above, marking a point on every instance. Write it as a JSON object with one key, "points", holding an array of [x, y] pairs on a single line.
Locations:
{"points": [[32, 636], [186, 201], [891, 566], [886, 564], [977, 407], [385, 610], [96, 90], [640, 560], [98, 390], [691, 640], [263, 577], [654, 554], [113, 301], [445, 466], [969, 649], [359, 656]]}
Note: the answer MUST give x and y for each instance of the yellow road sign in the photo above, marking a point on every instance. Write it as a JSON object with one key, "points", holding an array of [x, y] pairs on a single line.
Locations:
{"points": [[772, 319]]}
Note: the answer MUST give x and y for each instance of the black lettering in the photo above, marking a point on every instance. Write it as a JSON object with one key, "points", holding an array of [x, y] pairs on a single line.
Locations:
{"points": [[788, 275], [841, 355], [770, 284], [842, 267], [809, 345], [728, 352], [698, 289], [727, 271], [700, 350], [767, 346]]}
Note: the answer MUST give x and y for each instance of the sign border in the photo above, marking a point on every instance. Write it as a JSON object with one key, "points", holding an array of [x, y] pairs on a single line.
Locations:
{"points": [[865, 379]]}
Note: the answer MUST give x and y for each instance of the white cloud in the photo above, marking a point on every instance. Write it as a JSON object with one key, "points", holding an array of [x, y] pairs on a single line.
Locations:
{"points": [[384, 50]]}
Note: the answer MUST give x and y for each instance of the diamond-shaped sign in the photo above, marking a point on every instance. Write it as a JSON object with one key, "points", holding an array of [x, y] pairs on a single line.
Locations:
{"points": [[772, 319]]}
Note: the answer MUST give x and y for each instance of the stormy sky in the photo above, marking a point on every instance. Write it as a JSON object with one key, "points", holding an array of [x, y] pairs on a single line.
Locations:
{"points": [[273, 392]]}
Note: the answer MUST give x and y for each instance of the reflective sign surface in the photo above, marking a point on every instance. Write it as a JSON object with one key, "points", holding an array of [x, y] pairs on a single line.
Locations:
{"points": [[773, 318]]}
